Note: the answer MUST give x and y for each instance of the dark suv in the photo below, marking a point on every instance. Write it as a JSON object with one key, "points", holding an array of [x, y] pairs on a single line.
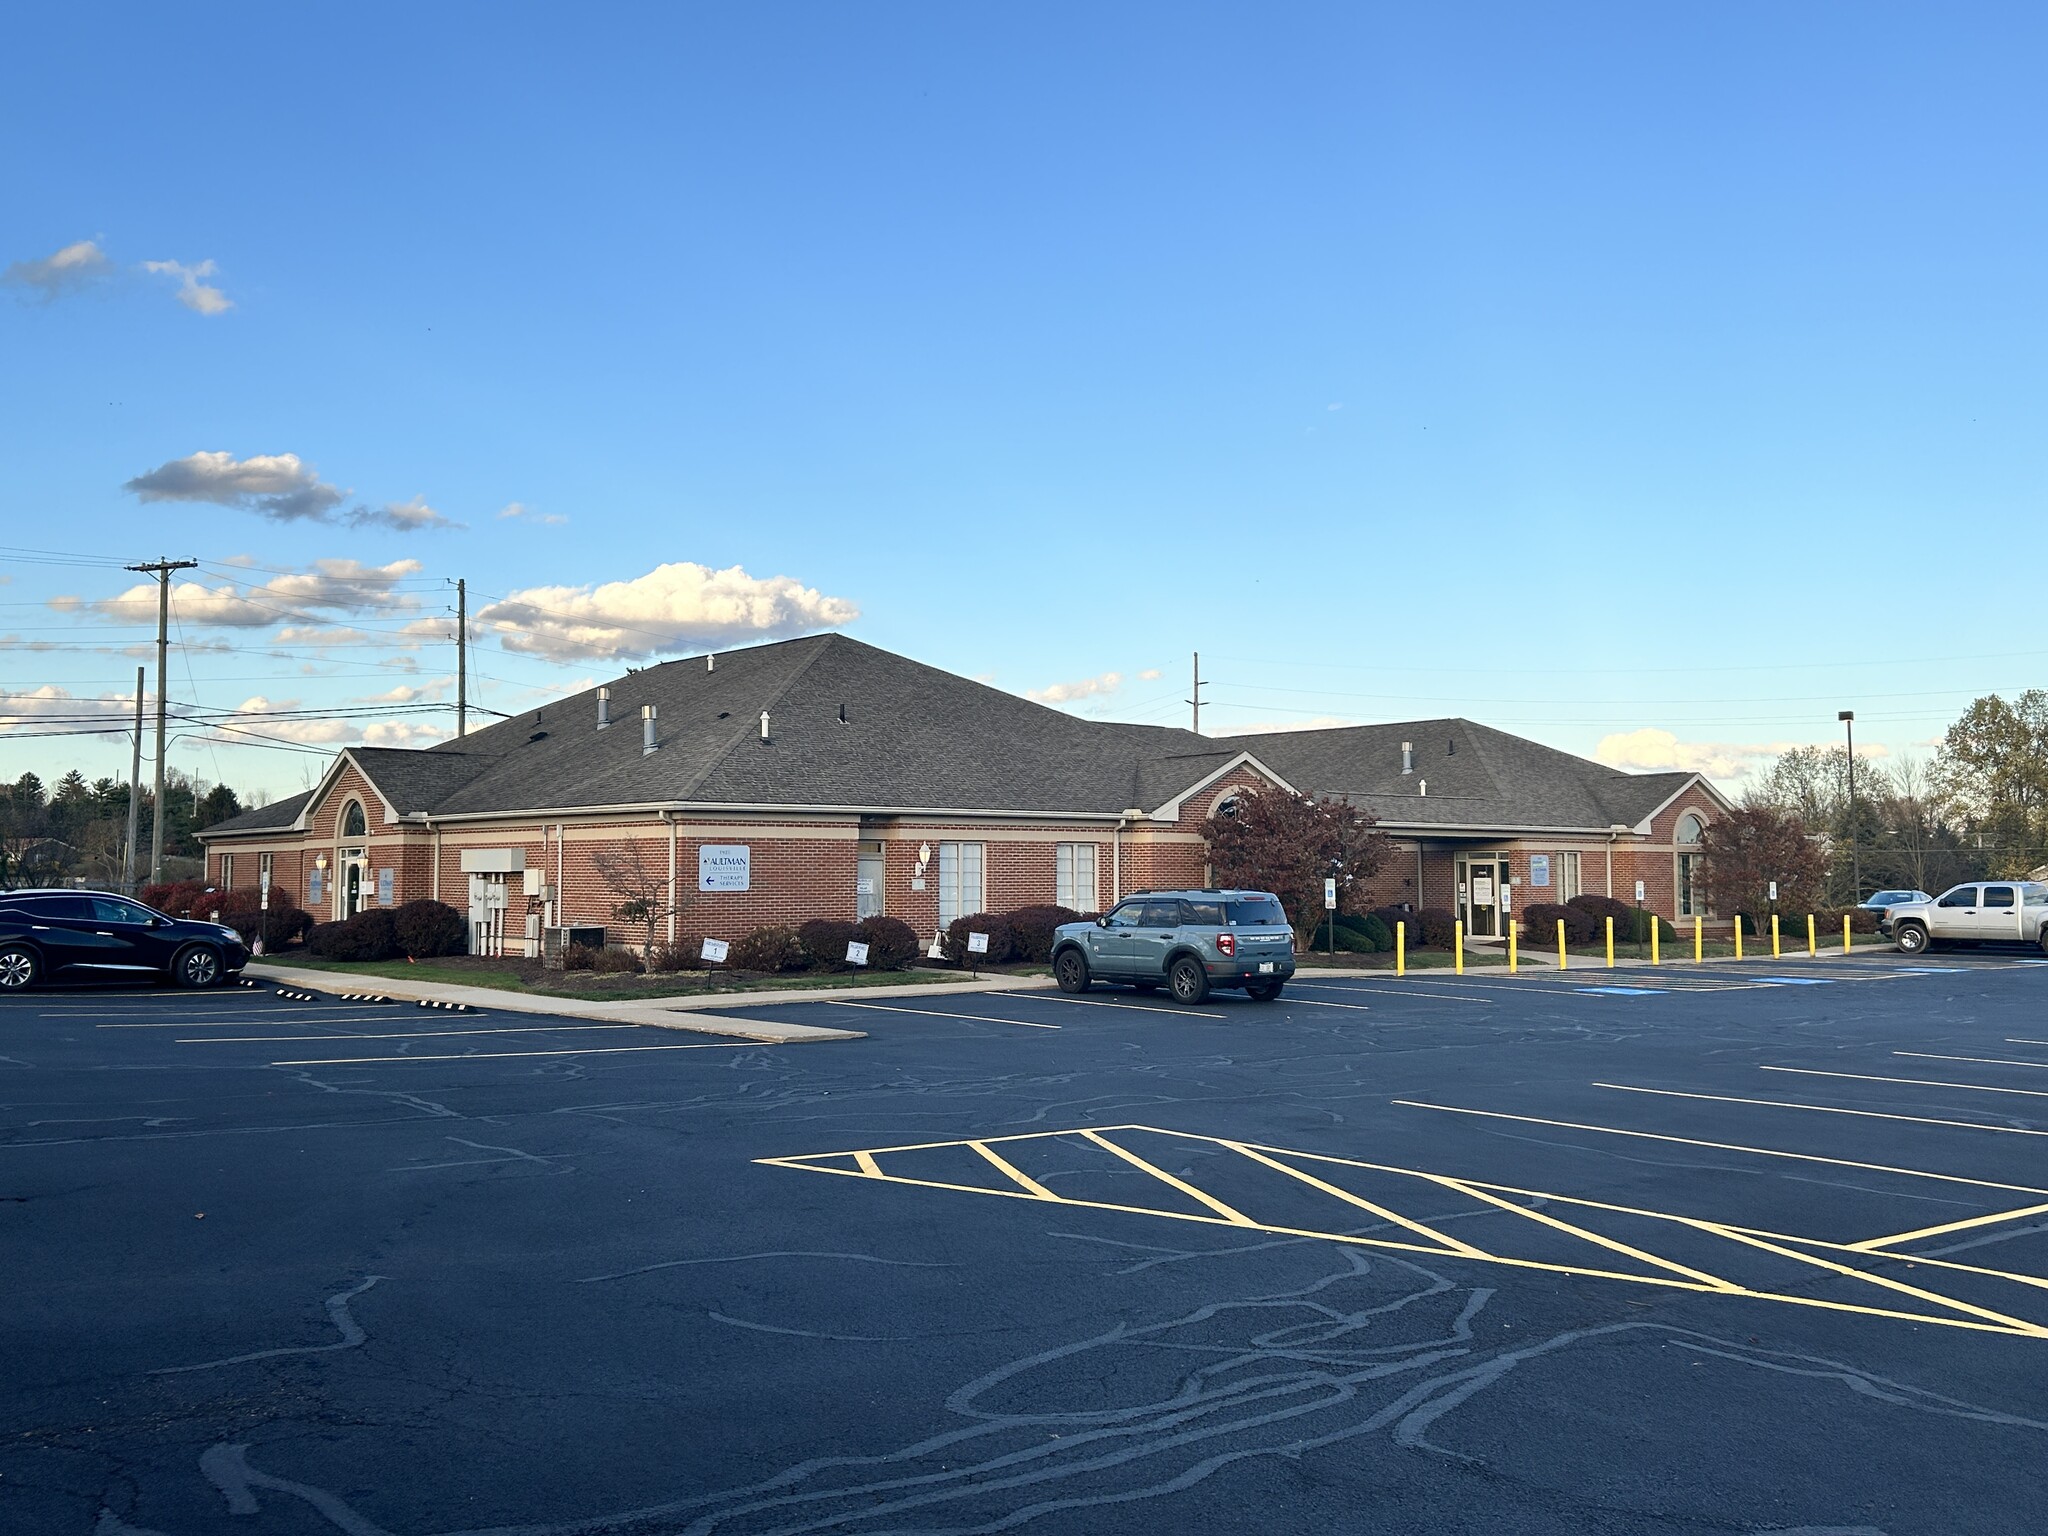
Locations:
{"points": [[78, 935], [1186, 941]]}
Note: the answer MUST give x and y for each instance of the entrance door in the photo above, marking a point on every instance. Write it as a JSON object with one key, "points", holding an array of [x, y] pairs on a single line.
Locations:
{"points": [[867, 885], [352, 874], [1480, 903]]}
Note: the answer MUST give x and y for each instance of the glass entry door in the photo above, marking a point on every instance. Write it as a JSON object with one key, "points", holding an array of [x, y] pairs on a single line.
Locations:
{"points": [[1479, 897]]}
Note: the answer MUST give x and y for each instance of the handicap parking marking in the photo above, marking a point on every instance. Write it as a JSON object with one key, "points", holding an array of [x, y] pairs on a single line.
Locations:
{"points": [[1625, 991], [1797, 981]]}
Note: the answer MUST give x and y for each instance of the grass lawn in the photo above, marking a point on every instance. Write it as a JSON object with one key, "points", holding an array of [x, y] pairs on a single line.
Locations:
{"points": [[516, 975]]}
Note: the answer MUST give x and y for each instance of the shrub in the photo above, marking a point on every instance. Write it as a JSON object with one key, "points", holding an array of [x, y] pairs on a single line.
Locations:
{"points": [[1002, 943], [1389, 916], [613, 960], [892, 943], [1637, 929], [427, 928], [1031, 930], [1601, 907], [242, 910], [674, 957], [579, 957], [1439, 928], [180, 898], [1375, 928], [1539, 924], [768, 949], [824, 941], [1356, 941], [368, 935]]}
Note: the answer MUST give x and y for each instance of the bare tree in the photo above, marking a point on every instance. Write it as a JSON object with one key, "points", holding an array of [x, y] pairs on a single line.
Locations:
{"points": [[644, 893]]}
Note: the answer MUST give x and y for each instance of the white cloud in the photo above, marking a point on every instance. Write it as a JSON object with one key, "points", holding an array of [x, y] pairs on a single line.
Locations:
{"points": [[252, 715], [520, 512], [1661, 750], [279, 486], [1081, 688], [673, 607], [202, 298], [345, 586], [52, 707], [431, 690], [67, 271], [1149, 675]]}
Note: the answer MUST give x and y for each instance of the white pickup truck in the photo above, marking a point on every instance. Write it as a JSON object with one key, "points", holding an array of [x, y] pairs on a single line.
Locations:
{"points": [[1990, 911]]}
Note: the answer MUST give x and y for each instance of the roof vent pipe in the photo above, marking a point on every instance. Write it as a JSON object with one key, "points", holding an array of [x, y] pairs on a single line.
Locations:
{"points": [[604, 708], [1422, 787], [1407, 757], [710, 662], [842, 714], [764, 725], [647, 741]]}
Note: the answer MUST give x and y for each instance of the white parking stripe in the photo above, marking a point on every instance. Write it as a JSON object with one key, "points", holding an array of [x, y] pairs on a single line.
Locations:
{"points": [[1397, 991], [599, 1050], [934, 1013], [1103, 1002], [404, 1034], [327, 1018]]}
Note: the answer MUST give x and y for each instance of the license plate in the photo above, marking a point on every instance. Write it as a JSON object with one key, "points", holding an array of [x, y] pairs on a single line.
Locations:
{"points": [[1265, 967]]}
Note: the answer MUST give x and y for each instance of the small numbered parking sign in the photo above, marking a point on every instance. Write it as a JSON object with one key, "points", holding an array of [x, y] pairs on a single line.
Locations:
{"points": [[856, 952], [714, 951], [977, 943]]}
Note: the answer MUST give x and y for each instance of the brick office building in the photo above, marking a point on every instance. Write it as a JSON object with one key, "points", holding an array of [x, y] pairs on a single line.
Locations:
{"points": [[825, 778]]}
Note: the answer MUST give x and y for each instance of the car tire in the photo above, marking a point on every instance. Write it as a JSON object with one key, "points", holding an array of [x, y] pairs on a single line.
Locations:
{"points": [[1188, 982], [19, 968], [197, 965], [1265, 991], [1070, 970], [1911, 939]]}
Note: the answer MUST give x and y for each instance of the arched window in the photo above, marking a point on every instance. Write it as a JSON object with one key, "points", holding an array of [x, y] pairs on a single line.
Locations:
{"points": [[353, 822], [1229, 806], [1691, 897]]}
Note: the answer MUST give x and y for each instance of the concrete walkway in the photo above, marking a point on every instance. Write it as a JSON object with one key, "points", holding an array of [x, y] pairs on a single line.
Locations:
{"points": [[497, 1000]]}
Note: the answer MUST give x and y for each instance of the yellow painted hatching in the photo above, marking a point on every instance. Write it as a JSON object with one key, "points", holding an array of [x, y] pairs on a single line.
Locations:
{"points": [[1872, 1273]]}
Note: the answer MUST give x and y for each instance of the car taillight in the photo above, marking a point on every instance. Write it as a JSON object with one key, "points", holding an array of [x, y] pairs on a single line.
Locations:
{"points": [[1226, 944]]}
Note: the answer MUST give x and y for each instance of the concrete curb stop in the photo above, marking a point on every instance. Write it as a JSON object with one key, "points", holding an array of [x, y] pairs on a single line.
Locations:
{"points": [[298, 997]]}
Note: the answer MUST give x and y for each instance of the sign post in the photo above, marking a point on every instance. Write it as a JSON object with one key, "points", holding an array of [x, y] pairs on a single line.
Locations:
{"points": [[977, 944], [1639, 920]]}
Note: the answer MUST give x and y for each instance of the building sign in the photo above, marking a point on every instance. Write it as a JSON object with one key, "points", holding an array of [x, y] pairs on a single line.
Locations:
{"points": [[384, 882], [1539, 869], [725, 867], [313, 887], [1482, 891]]}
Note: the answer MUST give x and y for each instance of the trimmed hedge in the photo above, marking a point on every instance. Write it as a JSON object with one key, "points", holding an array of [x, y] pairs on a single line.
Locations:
{"points": [[1601, 907], [427, 929], [1439, 928], [892, 943], [242, 909], [1381, 935], [370, 935], [612, 960], [1031, 930], [1539, 924], [824, 941], [1002, 942]]}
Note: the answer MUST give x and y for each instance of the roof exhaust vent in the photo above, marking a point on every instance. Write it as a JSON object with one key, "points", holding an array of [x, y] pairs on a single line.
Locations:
{"points": [[710, 662], [1451, 747], [1407, 757], [764, 725], [647, 741], [1422, 787], [842, 714], [604, 709]]}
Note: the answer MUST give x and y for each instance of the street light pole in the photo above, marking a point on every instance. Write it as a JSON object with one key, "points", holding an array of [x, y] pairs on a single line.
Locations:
{"points": [[1848, 719]]}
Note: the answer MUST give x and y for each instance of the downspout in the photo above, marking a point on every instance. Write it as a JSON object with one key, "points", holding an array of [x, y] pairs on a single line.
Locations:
{"points": [[1116, 862], [1419, 902], [670, 818], [1610, 863], [437, 856], [561, 906]]}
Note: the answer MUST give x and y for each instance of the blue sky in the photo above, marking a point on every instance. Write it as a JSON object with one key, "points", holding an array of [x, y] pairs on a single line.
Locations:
{"points": [[1586, 370]]}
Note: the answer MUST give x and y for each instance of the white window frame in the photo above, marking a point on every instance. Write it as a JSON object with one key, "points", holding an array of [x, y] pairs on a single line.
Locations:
{"points": [[1685, 867], [227, 871], [263, 870], [1564, 870], [1075, 871], [963, 870]]}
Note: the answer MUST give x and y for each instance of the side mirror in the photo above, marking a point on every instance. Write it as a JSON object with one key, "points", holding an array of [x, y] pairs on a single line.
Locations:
{"points": [[1102, 921]]}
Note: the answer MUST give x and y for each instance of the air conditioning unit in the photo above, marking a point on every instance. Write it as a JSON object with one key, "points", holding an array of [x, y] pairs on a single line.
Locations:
{"points": [[554, 943]]}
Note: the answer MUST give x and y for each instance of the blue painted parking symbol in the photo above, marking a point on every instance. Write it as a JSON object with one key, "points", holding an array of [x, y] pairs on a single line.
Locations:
{"points": [[1626, 991], [1795, 981]]}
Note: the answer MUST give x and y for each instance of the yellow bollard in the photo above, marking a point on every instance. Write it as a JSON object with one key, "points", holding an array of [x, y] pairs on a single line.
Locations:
{"points": [[1458, 946], [1845, 933], [1561, 960], [1654, 926], [1699, 939], [1776, 953], [1512, 966], [1812, 948], [1400, 949], [1738, 938], [1610, 943]]}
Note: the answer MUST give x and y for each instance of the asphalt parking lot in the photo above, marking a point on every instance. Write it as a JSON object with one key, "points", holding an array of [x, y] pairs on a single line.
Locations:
{"points": [[1694, 1250]]}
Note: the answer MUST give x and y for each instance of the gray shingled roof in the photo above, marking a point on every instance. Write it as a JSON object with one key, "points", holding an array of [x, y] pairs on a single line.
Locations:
{"points": [[854, 726], [279, 813]]}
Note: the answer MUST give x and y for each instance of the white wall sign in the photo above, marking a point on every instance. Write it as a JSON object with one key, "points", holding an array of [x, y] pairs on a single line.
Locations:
{"points": [[725, 867], [1507, 898], [856, 952], [977, 943], [714, 951], [384, 887], [1539, 869], [1482, 891]]}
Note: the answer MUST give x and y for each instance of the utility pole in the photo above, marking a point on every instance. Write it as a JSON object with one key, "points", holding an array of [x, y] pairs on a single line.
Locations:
{"points": [[1848, 719], [161, 570], [134, 795], [461, 656], [1196, 701]]}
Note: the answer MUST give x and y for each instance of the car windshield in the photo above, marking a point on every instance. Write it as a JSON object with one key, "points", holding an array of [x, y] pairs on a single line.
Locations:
{"points": [[1255, 912]]}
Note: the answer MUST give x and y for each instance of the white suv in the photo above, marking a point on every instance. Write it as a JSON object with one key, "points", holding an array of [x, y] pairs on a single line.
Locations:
{"points": [[1990, 911]]}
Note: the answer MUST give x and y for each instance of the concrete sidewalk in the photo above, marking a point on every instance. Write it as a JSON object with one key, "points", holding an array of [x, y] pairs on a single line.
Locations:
{"points": [[497, 1000]]}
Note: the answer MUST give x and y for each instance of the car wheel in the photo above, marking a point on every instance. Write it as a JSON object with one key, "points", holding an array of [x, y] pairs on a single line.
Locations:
{"points": [[1188, 981], [196, 966], [18, 968], [1071, 971], [1911, 939], [1265, 992]]}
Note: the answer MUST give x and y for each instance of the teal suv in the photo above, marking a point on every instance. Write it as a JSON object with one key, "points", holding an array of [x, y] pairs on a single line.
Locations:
{"points": [[1186, 941]]}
